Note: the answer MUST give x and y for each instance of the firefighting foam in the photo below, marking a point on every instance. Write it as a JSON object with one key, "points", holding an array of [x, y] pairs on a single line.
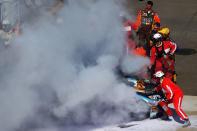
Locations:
{"points": [[62, 73]]}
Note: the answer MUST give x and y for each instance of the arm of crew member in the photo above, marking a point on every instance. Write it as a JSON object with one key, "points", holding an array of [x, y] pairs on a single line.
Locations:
{"points": [[156, 18], [169, 93], [173, 47], [158, 88], [138, 21]]}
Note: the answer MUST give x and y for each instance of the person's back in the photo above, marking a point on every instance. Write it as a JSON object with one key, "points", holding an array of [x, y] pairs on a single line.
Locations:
{"points": [[174, 88]]}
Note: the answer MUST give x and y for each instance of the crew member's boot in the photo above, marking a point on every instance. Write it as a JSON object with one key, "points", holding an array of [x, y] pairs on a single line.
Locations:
{"points": [[186, 123]]}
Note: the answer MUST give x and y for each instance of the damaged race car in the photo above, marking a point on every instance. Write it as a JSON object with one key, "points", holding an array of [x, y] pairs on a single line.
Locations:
{"points": [[144, 89]]}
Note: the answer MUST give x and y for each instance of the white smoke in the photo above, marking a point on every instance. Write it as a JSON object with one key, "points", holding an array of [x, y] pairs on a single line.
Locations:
{"points": [[62, 73], [134, 65]]}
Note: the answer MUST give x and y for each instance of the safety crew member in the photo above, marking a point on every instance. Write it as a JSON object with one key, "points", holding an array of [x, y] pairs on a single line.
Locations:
{"points": [[166, 35], [173, 95], [161, 56]]}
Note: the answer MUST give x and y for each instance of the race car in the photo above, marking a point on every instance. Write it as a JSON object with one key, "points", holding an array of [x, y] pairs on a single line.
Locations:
{"points": [[143, 87]]}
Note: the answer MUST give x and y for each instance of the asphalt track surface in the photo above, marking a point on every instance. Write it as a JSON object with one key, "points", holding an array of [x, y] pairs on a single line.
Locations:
{"points": [[180, 16]]}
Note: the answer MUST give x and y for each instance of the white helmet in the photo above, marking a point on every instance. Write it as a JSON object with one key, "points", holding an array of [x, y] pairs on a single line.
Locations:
{"points": [[157, 37], [159, 74]]}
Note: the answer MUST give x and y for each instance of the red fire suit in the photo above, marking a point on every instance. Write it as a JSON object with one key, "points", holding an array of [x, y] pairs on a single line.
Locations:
{"points": [[174, 95], [161, 58], [128, 27]]}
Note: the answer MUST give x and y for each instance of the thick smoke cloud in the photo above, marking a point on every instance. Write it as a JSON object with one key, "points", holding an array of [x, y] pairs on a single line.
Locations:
{"points": [[135, 65], [60, 72]]}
